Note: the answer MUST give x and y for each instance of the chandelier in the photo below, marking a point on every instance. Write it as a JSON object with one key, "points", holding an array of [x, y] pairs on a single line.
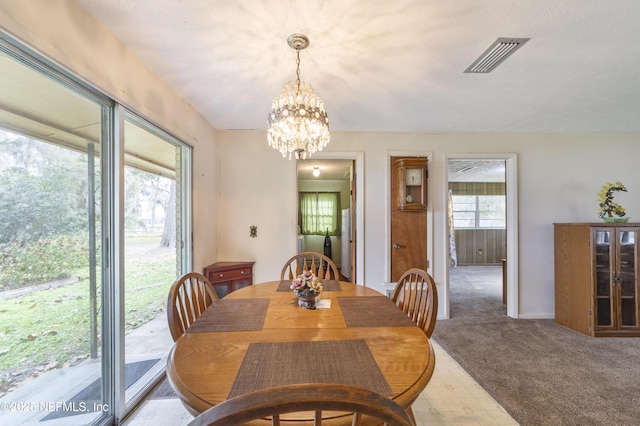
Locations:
{"points": [[298, 124]]}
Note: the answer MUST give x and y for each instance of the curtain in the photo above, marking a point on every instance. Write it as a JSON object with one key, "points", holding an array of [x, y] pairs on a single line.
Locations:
{"points": [[319, 213], [453, 256]]}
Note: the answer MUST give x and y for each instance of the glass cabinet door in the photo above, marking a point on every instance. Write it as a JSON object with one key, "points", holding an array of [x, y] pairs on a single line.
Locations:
{"points": [[616, 303], [604, 277], [626, 276]]}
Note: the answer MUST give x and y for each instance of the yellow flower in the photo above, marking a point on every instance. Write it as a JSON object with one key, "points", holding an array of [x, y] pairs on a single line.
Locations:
{"points": [[605, 200]]}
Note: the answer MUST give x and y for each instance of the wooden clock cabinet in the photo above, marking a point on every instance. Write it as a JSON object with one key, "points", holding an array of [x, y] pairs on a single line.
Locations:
{"points": [[596, 277], [408, 214], [229, 276], [412, 184]]}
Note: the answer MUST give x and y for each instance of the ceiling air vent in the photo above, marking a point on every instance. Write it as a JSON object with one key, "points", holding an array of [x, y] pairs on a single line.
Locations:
{"points": [[500, 50]]}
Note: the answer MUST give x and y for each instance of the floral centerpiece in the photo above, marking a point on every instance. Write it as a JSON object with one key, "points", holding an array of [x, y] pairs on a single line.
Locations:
{"points": [[608, 208], [307, 287]]}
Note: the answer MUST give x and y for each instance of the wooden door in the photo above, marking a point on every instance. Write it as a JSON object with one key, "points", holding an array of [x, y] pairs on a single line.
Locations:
{"points": [[408, 232]]}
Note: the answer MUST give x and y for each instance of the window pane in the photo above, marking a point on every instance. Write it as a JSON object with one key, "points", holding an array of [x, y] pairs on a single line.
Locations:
{"points": [[491, 211], [479, 211], [464, 203], [464, 219], [151, 265], [494, 203], [464, 211], [51, 305]]}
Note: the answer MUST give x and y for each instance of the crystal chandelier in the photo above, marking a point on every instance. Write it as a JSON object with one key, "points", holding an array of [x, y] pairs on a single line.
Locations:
{"points": [[298, 124]]}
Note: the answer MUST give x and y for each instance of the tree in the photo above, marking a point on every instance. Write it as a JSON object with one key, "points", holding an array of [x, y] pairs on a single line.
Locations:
{"points": [[44, 196], [169, 232]]}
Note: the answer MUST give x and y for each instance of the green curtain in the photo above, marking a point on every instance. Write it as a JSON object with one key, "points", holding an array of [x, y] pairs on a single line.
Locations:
{"points": [[319, 213]]}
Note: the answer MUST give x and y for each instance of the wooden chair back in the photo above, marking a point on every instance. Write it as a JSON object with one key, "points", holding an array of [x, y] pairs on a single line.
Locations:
{"points": [[416, 294], [321, 265], [189, 296], [363, 405]]}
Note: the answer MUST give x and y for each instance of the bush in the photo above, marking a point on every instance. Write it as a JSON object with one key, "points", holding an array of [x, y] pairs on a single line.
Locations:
{"points": [[41, 261]]}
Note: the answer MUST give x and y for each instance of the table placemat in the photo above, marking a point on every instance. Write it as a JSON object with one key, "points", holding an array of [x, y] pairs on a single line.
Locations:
{"points": [[285, 285], [232, 315], [374, 311], [331, 285], [327, 285], [271, 364]]}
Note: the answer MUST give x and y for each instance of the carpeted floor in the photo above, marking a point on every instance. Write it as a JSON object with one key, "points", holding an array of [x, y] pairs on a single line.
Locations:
{"points": [[541, 372]]}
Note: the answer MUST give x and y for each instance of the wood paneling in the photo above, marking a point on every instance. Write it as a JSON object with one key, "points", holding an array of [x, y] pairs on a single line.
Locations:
{"points": [[492, 243], [477, 188]]}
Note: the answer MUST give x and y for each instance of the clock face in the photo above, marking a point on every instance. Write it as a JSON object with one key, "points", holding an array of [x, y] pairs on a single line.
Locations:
{"points": [[414, 177]]}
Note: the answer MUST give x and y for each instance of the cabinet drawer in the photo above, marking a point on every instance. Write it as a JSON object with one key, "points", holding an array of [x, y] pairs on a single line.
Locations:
{"points": [[215, 276]]}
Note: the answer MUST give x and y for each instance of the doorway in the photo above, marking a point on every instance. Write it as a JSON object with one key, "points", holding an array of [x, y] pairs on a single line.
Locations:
{"points": [[330, 174], [482, 231]]}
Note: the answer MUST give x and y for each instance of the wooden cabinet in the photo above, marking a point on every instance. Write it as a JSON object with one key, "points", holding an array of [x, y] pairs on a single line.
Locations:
{"points": [[229, 276], [596, 278]]}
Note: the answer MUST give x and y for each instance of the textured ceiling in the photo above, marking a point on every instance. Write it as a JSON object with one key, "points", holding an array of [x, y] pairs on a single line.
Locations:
{"points": [[477, 171], [398, 65]]}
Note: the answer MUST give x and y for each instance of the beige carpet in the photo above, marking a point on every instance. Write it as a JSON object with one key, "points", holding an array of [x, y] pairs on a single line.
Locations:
{"points": [[542, 373]]}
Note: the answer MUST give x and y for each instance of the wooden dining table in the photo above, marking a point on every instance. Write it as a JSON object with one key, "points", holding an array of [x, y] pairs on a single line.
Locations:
{"points": [[258, 337]]}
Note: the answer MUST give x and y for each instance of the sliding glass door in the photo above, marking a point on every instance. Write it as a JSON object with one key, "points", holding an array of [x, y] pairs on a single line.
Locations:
{"points": [[51, 294], [153, 238], [94, 220]]}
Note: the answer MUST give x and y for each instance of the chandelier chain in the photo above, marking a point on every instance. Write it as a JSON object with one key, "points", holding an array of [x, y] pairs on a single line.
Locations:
{"points": [[297, 70]]}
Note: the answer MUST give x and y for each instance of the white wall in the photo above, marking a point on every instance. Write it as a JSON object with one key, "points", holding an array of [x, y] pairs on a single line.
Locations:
{"points": [[64, 33], [559, 177]]}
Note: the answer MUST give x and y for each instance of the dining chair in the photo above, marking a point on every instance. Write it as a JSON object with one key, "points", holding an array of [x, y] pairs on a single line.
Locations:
{"points": [[189, 296], [321, 266], [363, 405], [416, 294]]}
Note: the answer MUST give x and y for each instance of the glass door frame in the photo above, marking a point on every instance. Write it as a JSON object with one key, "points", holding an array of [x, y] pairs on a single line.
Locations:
{"points": [[183, 239], [608, 284], [111, 160]]}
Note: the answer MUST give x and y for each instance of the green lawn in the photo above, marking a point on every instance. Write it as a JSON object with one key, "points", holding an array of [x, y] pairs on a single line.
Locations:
{"points": [[50, 328]]}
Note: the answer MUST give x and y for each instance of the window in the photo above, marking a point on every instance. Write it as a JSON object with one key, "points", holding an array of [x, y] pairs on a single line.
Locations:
{"points": [[479, 211], [319, 213]]}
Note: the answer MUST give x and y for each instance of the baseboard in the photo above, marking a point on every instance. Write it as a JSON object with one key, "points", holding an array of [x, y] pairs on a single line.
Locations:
{"points": [[537, 316]]}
